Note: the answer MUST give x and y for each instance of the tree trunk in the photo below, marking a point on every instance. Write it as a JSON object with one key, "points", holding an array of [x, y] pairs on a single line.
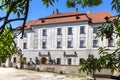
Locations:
{"points": [[94, 76]]}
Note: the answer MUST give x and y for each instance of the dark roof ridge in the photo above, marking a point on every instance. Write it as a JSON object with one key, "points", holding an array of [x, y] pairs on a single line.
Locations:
{"points": [[61, 16]]}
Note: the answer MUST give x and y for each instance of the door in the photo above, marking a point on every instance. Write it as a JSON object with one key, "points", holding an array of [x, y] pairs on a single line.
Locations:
{"points": [[69, 61]]}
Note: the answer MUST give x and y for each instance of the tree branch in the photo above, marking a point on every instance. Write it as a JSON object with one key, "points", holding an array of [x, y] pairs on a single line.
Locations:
{"points": [[26, 15], [7, 15], [16, 19], [7, 2]]}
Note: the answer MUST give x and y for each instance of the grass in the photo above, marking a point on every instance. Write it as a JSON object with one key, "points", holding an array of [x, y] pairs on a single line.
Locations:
{"points": [[75, 75]]}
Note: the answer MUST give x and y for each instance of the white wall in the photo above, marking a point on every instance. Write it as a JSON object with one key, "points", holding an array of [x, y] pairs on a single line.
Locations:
{"points": [[52, 37]]}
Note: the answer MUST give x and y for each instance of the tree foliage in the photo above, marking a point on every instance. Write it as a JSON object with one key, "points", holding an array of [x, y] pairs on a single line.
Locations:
{"points": [[107, 59], [17, 7], [112, 26], [7, 45]]}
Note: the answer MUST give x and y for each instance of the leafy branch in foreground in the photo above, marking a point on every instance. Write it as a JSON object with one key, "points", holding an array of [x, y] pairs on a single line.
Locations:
{"points": [[7, 45], [17, 7]]}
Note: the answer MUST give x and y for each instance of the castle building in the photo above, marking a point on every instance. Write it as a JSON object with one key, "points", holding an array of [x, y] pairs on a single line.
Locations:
{"points": [[63, 38]]}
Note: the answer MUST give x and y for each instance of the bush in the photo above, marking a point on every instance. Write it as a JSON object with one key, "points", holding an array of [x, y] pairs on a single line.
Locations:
{"points": [[61, 72]]}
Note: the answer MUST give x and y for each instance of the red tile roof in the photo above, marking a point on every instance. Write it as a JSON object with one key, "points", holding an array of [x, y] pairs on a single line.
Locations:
{"points": [[64, 14], [98, 17], [28, 24]]}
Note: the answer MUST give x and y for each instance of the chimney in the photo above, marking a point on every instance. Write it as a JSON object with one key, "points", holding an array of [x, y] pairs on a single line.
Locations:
{"points": [[56, 11], [88, 12]]}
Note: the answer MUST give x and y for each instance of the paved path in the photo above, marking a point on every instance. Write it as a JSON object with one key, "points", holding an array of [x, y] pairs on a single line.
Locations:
{"points": [[18, 74]]}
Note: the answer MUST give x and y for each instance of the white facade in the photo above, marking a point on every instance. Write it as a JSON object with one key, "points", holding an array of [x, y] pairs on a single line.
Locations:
{"points": [[56, 46], [35, 38]]}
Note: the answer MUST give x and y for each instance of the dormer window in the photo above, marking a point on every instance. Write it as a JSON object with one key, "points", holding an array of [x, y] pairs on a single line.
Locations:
{"points": [[43, 21]]}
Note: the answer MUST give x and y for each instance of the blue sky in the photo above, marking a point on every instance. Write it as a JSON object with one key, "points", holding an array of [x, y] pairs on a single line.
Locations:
{"points": [[38, 10]]}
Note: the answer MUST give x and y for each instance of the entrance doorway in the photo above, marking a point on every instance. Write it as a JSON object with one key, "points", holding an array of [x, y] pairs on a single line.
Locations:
{"points": [[44, 60], [69, 61]]}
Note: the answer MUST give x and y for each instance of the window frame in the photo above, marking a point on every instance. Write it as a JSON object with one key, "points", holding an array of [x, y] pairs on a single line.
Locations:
{"points": [[110, 44], [95, 30], [82, 29], [70, 31], [59, 45], [44, 46], [83, 46], [59, 31], [96, 43], [44, 32], [70, 44], [25, 45]]}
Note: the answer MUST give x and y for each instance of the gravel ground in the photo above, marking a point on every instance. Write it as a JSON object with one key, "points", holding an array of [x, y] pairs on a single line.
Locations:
{"points": [[18, 74]]}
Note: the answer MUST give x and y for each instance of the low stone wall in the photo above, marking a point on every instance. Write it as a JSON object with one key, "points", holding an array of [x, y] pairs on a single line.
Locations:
{"points": [[67, 69], [60, 68]]}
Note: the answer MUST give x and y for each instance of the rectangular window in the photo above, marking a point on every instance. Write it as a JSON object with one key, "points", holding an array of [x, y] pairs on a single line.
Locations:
{"points": [[14, 60], [59, 31], [110, 43], [25, 35], [82, 44], [70, 44], [44, 32], [95, 43], [95, 30], [59, 44], [15, 45], [70, 31], [24, 45], [82, 30], [44, 45], [58, 60], [81, 61]]}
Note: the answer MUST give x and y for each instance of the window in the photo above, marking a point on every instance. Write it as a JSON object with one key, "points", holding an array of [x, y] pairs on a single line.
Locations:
{"points": [[24, 45], [14, 60], [59, 31], [95, 30], [70, 31], [70, 44], [58, 60], [44, 45], [95, 43], [59, 44], [81, 61], [82, 30], [110, 43], [82, 44], [44, 32], [24, 59], [25, 35], [15, 44]]}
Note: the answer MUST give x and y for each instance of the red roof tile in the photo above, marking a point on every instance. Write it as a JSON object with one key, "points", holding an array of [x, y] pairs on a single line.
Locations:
{"points": [[63, 14], [98, 17], [28, 24]]}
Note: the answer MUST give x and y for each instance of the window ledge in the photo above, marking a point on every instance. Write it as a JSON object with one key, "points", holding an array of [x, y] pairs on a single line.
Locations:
{"points": [[82, 47]]}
